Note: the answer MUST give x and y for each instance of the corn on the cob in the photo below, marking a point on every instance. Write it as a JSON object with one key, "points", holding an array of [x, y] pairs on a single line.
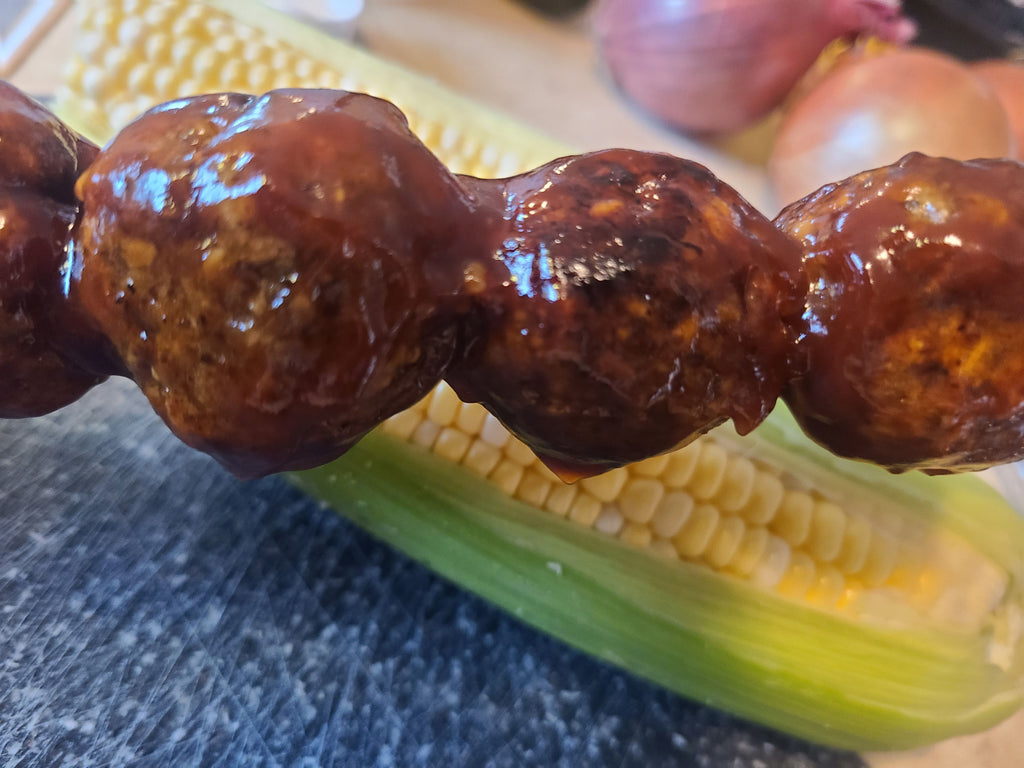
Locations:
{"points": [[715, 504], [133, 54], [758, 574]]}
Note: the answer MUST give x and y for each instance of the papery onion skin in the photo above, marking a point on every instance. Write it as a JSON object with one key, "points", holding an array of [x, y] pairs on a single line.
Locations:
{"points": [[872, 110], [1007, 80], [714, 66]]}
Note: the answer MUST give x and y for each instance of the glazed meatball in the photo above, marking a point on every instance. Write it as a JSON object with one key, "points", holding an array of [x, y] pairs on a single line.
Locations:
{"points": [[915, 314], [278, 273], [39, 161], [633, 301]]}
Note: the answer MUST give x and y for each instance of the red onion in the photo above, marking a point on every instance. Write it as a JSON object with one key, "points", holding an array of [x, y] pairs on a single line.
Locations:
{"points": [[719, 65]]}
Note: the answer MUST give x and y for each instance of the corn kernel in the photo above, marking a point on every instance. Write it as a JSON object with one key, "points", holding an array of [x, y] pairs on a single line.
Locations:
{"points": [[652, 467], [640, 498], [560, 500], [793, 520], [609, 521], [533, 488], [799, 576], [773, 563], [157, 48], [281, 59], [856, 541], [352, 81], [470, 418], [164, 80], [750, 550], [725, 543], [607, 485], [695, 535], [765, 498], [140, 79], [507, 476], [828, 526], [187, 30], [923, 590], [322, 78], [710, 471], [635, 534], [681, 465], [130, 32], [509, 165], [915, 575], [672, 512], [206, 59], [737, 486], [425, 433], [105, 19], [494, 432], [482, 458], [228, 48], [259, 76], [516, 450], [93, 83], [451, 138], [880, 560], [157, 16], [585, 509], [443, 405], [828, 588], [403, 424], [452, 444], [663, 548]]}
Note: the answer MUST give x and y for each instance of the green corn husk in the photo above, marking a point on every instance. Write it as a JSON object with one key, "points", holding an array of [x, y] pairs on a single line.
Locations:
{"points": [[859, 685]]}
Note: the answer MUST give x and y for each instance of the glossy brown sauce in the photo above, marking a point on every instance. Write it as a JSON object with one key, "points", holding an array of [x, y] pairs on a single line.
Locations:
{"points": [[632, 301], [39, 162], [915, 316], [281, 273]]}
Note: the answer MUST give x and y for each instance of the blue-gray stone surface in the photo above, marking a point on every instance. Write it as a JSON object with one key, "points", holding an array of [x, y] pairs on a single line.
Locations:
{"points": [[154, 611]]}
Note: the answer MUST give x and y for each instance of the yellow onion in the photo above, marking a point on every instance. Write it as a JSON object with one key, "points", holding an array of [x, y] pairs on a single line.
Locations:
{"points": [[1007, 80], [870, 110]]}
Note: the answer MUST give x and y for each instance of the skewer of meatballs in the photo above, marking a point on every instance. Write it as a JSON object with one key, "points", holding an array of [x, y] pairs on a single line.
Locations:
{"points": [[281, 273]]}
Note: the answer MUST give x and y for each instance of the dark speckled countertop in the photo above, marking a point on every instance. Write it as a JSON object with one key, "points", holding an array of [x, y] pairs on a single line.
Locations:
{"points": [[157, 612]]}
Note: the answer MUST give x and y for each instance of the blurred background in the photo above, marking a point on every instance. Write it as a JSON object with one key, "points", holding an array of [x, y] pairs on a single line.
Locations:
{"points": [[776, 96]]}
